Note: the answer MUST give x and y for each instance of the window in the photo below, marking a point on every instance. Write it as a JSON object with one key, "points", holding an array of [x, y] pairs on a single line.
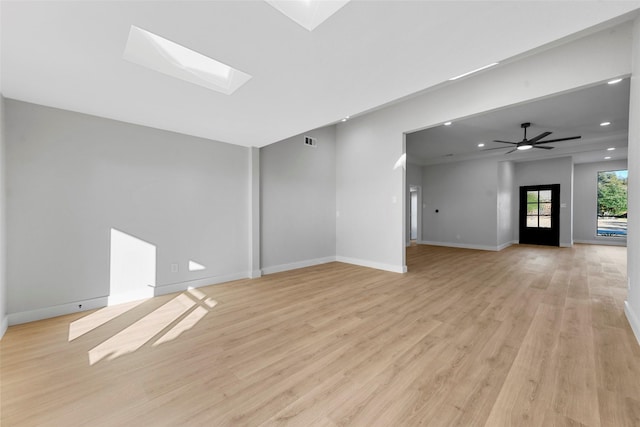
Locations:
{"points": [[539, 209], [612, 203]]}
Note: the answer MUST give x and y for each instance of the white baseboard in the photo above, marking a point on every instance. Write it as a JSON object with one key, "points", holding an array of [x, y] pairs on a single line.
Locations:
{"points": [[3, 326], [462, 245], [198, 283], [633, 320], [296, 265], [90, 304], [603, 242], [255, 274], [56, 310], [373, 264], [506, 245]]}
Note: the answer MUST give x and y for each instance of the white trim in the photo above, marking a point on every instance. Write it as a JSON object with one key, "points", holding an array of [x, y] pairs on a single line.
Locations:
{"points": [[90, 304], [197, 283], [603, 242], [633, 320], [255, 274], [298, 264], [3, 326], [372, 264], [506, 245], [461, 245], [566, 245], [56, 310]]}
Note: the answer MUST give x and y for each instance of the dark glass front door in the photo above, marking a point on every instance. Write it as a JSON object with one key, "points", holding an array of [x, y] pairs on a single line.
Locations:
{"points": [[540, 215]]}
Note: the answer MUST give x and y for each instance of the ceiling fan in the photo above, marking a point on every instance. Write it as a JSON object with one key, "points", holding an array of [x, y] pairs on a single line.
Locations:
{"points": [[534, 142]]}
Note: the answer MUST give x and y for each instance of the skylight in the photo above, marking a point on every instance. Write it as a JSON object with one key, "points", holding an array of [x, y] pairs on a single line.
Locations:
{"points": [[162, 55], [308, 13]]}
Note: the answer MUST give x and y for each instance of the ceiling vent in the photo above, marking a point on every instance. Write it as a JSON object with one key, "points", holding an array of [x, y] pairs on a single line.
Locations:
{"points": [[310, 142]]}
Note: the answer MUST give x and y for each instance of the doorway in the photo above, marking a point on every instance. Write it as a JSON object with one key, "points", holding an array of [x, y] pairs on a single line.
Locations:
{"points": [[413, 191], [413, 214], [540, 215]]}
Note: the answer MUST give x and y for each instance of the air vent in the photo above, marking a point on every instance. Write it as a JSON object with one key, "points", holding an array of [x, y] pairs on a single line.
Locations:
{"points": [[310, 142]]}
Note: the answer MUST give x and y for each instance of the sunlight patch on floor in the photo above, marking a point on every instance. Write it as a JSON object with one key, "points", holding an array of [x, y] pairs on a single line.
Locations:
{"points": [[173, 318], [142, 331], [98, 318]]}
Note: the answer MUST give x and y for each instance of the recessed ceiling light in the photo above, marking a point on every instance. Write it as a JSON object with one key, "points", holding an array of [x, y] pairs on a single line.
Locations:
{"points": [[481, 145], [607, 158], [611, 148], [308, 13], [447, 123], [614, 81], [473, 71], [162, 55], [524, 147], [605, 123]]}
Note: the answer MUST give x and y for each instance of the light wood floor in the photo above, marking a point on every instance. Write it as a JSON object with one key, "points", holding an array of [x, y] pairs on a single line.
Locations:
{"points": [[526, 336]]}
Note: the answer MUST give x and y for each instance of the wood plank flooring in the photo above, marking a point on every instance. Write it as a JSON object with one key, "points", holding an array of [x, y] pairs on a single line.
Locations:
{"points": [[529, 336]]}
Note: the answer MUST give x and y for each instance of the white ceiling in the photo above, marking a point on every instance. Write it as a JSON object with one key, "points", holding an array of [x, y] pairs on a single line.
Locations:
{"points": [[577, 113], [68, 54]]}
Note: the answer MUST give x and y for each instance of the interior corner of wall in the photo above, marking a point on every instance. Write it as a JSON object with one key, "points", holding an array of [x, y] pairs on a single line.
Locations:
{"points": [[4, 325]]}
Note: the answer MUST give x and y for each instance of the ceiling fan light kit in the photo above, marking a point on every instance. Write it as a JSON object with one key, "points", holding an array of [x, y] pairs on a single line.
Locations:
{"points": [[535, 142]]}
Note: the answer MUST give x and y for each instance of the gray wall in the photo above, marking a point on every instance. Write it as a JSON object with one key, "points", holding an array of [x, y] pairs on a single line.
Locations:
{"points": [[298, 201], [507, 206], [73, 177], [370, 193], [465, 195], [552, 171], [632, 306], [3, 282], [585, 201]]}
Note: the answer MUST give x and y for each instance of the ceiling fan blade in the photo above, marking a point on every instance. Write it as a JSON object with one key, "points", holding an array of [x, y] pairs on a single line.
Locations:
{"points": [[505, 142], [539, 137], [544, 148], [494, 148], [559, 139], [511, 151]]}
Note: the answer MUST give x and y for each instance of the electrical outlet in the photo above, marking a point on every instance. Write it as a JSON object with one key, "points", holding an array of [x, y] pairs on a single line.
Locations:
{"points": [[310, 142], [174, 268]]}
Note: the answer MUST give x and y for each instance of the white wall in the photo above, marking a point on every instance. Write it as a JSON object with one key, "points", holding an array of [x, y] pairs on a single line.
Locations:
{"points": [[465, 196], [585, 201], [370, 193], [3, 282], [298, 201], [632, 306], [369, 145], [543, 172], [73, 177], [507, 204]]}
